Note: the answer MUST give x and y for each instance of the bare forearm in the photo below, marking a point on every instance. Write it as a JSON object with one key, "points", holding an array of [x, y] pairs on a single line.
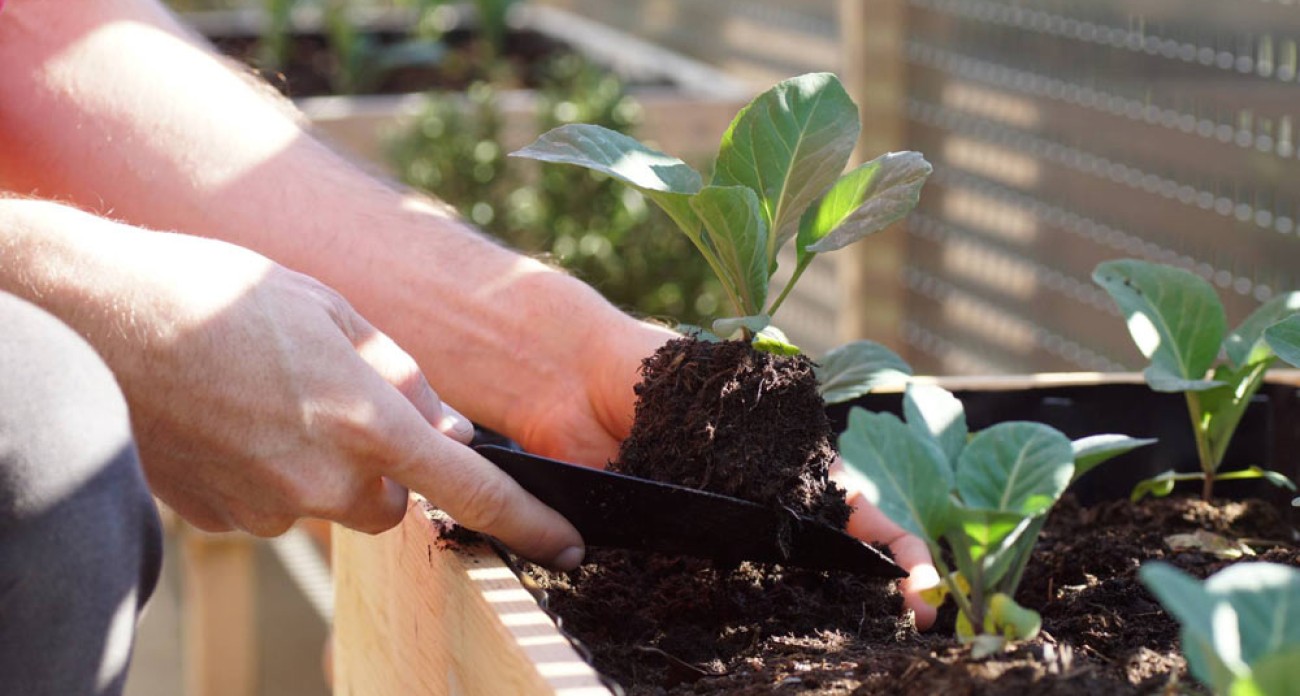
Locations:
{"points": [[109, 105]]}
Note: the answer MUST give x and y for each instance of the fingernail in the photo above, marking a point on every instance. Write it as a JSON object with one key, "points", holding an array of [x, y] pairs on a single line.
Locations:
{"points": [[455, 424], [569, 558]]}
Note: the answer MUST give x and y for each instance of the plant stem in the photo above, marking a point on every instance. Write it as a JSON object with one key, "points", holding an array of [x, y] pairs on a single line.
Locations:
{"points": [[963, 602], [714, 264], [785, 292], [1011, 580], [1201, 436]]}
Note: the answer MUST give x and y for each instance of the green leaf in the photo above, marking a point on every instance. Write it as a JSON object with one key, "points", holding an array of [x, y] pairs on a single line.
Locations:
{"points": [[666, 180], [1010, 620], [1158, 486], [1242, 617], [728, 326], [934, 412], [863, 202], [1006, 569], [1284, 338], [1276, 478], [1097, 449], [1016, 466], [1274, 675], [789, 145], [738, 236], [1223, 407], [905, 475], [773, 340], [986, 530], [1245, 344], [1160, 379], [1191, 604], [1174, 316], [1266, 598], [698, 332], [854, 369], [615, 154]]}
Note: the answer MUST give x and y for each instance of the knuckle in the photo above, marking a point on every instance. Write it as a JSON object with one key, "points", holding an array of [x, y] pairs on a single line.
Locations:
{"points": [[410, 382], [262, 524], [285, 491], [355, 434], [380, 523], [272, 525], [483, 502]]}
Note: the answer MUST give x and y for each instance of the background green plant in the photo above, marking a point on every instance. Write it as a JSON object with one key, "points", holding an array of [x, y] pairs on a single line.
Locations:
{"points": [[360, 60], [777, 178], [985, 496], [1240, 629], [1178, 322], [582, 220]]}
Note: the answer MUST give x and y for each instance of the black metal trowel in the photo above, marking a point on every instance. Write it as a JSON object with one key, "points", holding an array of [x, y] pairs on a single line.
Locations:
{"points": [[621, 511]]}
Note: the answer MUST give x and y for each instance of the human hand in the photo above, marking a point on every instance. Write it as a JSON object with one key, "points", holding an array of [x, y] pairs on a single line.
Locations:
{"points": [[869, 524], [259, 396], [590, 411]]}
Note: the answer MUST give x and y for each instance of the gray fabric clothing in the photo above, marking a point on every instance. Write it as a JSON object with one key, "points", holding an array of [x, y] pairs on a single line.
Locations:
{"points": [[80, 539]]}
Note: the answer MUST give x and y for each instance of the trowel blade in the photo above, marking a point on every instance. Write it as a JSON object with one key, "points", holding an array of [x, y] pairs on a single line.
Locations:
{"points": [[614, 510]]}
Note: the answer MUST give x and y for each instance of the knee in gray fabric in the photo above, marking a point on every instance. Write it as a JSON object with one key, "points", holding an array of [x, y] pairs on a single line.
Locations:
{"points": [[80, 541]]}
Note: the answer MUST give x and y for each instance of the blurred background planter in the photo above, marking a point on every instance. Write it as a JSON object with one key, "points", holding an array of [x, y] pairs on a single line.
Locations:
{"points": [[686, 103]]}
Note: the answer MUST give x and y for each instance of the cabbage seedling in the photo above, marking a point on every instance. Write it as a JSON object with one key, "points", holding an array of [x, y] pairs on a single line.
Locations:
{"points": [[987, 496], [1177, 321], [778, 178], [1240, 629]]}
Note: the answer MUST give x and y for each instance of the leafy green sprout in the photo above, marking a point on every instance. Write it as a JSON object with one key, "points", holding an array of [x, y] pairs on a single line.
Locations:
{"points": [[1178, 322], [777, 179], [986, 496], [1240, 629]]}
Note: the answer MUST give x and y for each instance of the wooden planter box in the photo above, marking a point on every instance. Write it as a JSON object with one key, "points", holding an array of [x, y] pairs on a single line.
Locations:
{"points": [[412, 617], [685, 114]]}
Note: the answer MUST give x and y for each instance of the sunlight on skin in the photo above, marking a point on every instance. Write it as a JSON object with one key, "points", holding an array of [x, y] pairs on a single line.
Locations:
{"points": [[262, 138], [394, 365], [519, 269]]}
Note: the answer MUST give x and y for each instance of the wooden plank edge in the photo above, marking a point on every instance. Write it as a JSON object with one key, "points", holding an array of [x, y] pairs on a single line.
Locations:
{"points": [[218, 612], [416, 615]]}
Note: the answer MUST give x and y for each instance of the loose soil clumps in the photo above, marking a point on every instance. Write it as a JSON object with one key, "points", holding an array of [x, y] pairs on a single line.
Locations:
{"points": [[668, 625], [725, 418]]}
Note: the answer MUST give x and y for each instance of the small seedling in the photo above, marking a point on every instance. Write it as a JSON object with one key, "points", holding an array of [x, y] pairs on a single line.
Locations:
{"points": [[1178, 322], [987, 496], [1240, 629], [777, 178]]}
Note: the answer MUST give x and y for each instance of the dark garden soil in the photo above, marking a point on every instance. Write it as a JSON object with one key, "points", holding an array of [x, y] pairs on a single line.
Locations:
{"points": [[311, 63], [722, 417], [657, 624]]}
